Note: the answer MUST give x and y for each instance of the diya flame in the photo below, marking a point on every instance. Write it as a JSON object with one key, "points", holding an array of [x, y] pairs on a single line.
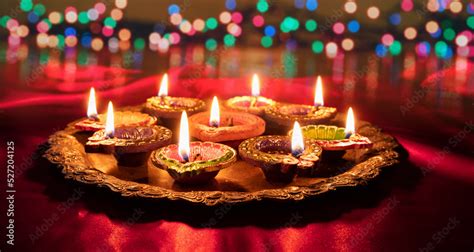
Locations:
{"points": [[92, 107], [163, 86], [214, 118], [350, 123], [255, 85], [297, 143], [183, 144], [318, 93], [109, 123]]}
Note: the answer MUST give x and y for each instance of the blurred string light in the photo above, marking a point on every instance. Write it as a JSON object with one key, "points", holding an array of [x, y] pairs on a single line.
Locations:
{"points": [[350, 6], [230, 4], [311, 25], [353, 26], [373, 12], [395, 19]]}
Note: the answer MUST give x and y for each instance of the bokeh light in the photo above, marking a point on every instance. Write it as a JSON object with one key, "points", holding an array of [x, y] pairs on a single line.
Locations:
{"points": [[373, 12], [350, 7], [347, 44]]}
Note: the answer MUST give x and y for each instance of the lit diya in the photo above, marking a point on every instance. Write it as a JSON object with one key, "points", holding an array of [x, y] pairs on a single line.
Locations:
{"points": [[195, 162], [169, 107], [131, 145], [283, 115], [336, 140], [254, 104], [282, 157], [225, 126], [95, 122]]}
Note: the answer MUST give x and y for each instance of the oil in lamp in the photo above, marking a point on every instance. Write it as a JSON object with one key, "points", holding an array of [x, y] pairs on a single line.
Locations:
{"points": [[131, 145], [95, 122], [282, 115], [336, 140], [254, 104], [281, 157], [193, 162], [169, 108], [225, 126]]}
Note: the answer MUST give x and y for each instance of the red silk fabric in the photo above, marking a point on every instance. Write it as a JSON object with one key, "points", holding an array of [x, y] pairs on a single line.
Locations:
{"points": [[424, 203]]}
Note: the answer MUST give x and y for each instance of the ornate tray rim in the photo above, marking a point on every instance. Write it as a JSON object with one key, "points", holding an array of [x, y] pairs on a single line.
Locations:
{"points": [[64, 151]]}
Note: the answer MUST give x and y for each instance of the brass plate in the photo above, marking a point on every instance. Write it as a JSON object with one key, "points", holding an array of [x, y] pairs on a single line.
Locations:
{"points": [[239, 183]]}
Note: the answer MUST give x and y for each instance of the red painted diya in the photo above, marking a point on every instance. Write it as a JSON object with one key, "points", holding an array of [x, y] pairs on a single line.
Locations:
{"points": [[226, 126], [169, 107], [131, 145], [254, 104], [122, 119], [201, 165], [278, 160]]}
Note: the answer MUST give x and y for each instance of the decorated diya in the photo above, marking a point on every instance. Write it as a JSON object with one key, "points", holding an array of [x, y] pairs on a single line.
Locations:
{"points": [[169, 107], [283, 115], [195, 162], [281, 157], [254, 104], [95, 122], [336, 140], [225, 126], [131, 145]]}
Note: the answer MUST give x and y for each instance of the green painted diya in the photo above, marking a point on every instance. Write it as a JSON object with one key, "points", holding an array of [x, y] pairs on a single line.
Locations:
{"points": [[274, 156], [334, 138], [205, 161]]}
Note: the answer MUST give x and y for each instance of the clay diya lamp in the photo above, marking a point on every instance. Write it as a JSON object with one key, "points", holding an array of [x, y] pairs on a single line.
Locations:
{"points": [[195, 162], [254, 104], [229, 127], [95, 122], [281, 116], [131, 145], [169, 108], [334, 140], [281, 157]]}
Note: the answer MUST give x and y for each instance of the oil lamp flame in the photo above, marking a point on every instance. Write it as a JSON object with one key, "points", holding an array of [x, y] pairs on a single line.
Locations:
{"points": [[297, 144], [164, 86], [109, 123], [92, 107], [350, 123], [318, 93], [214, 119], [255, 85], [183, 144]]}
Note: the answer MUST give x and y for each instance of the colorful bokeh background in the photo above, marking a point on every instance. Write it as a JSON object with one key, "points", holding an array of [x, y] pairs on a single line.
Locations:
{"points": [[440, 27]]}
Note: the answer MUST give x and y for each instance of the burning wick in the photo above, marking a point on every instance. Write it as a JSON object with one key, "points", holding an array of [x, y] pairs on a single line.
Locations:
{"points": [[255, 90], [297, 144], [183, 144], [163, 88], [214, 119], [109, 123], [318, 93], [350, 123], [92, 107]]}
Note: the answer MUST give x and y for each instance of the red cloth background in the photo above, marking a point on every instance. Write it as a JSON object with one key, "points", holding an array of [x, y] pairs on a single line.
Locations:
{"points": [[424, 203]]}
